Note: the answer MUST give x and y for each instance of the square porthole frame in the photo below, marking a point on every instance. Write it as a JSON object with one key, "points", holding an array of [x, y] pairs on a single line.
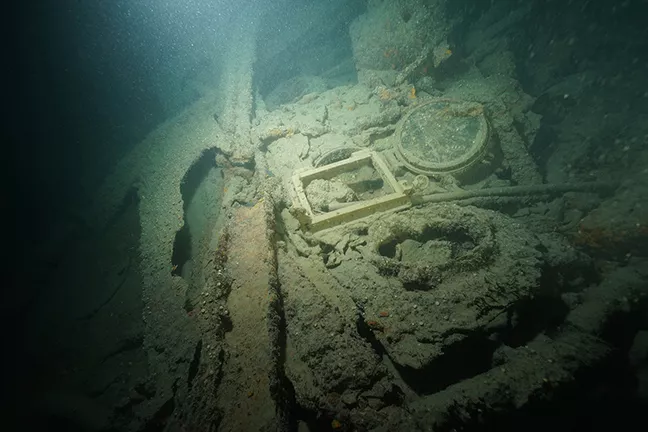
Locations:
{"points": [[397, 200]]}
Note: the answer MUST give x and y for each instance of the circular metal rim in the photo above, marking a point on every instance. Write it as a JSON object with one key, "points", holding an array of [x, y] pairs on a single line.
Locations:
{"points": [[456, 165]]}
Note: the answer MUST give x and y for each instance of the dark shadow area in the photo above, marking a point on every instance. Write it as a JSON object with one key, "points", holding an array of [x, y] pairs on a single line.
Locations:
{"points": [[567, 56], [159, 420], [533, 316], [602, 396], [364, 330], [181, 250], [546, 310], [79, 103], [465, 359], [195, 363], [315, 419], [62, 346], [283, 392], [184, 239], [597, 401], [196, 175], [462, 242]]}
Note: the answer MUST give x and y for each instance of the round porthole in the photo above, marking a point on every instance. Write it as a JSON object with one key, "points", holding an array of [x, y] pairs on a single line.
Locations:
{"points": [[443, 137]]}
